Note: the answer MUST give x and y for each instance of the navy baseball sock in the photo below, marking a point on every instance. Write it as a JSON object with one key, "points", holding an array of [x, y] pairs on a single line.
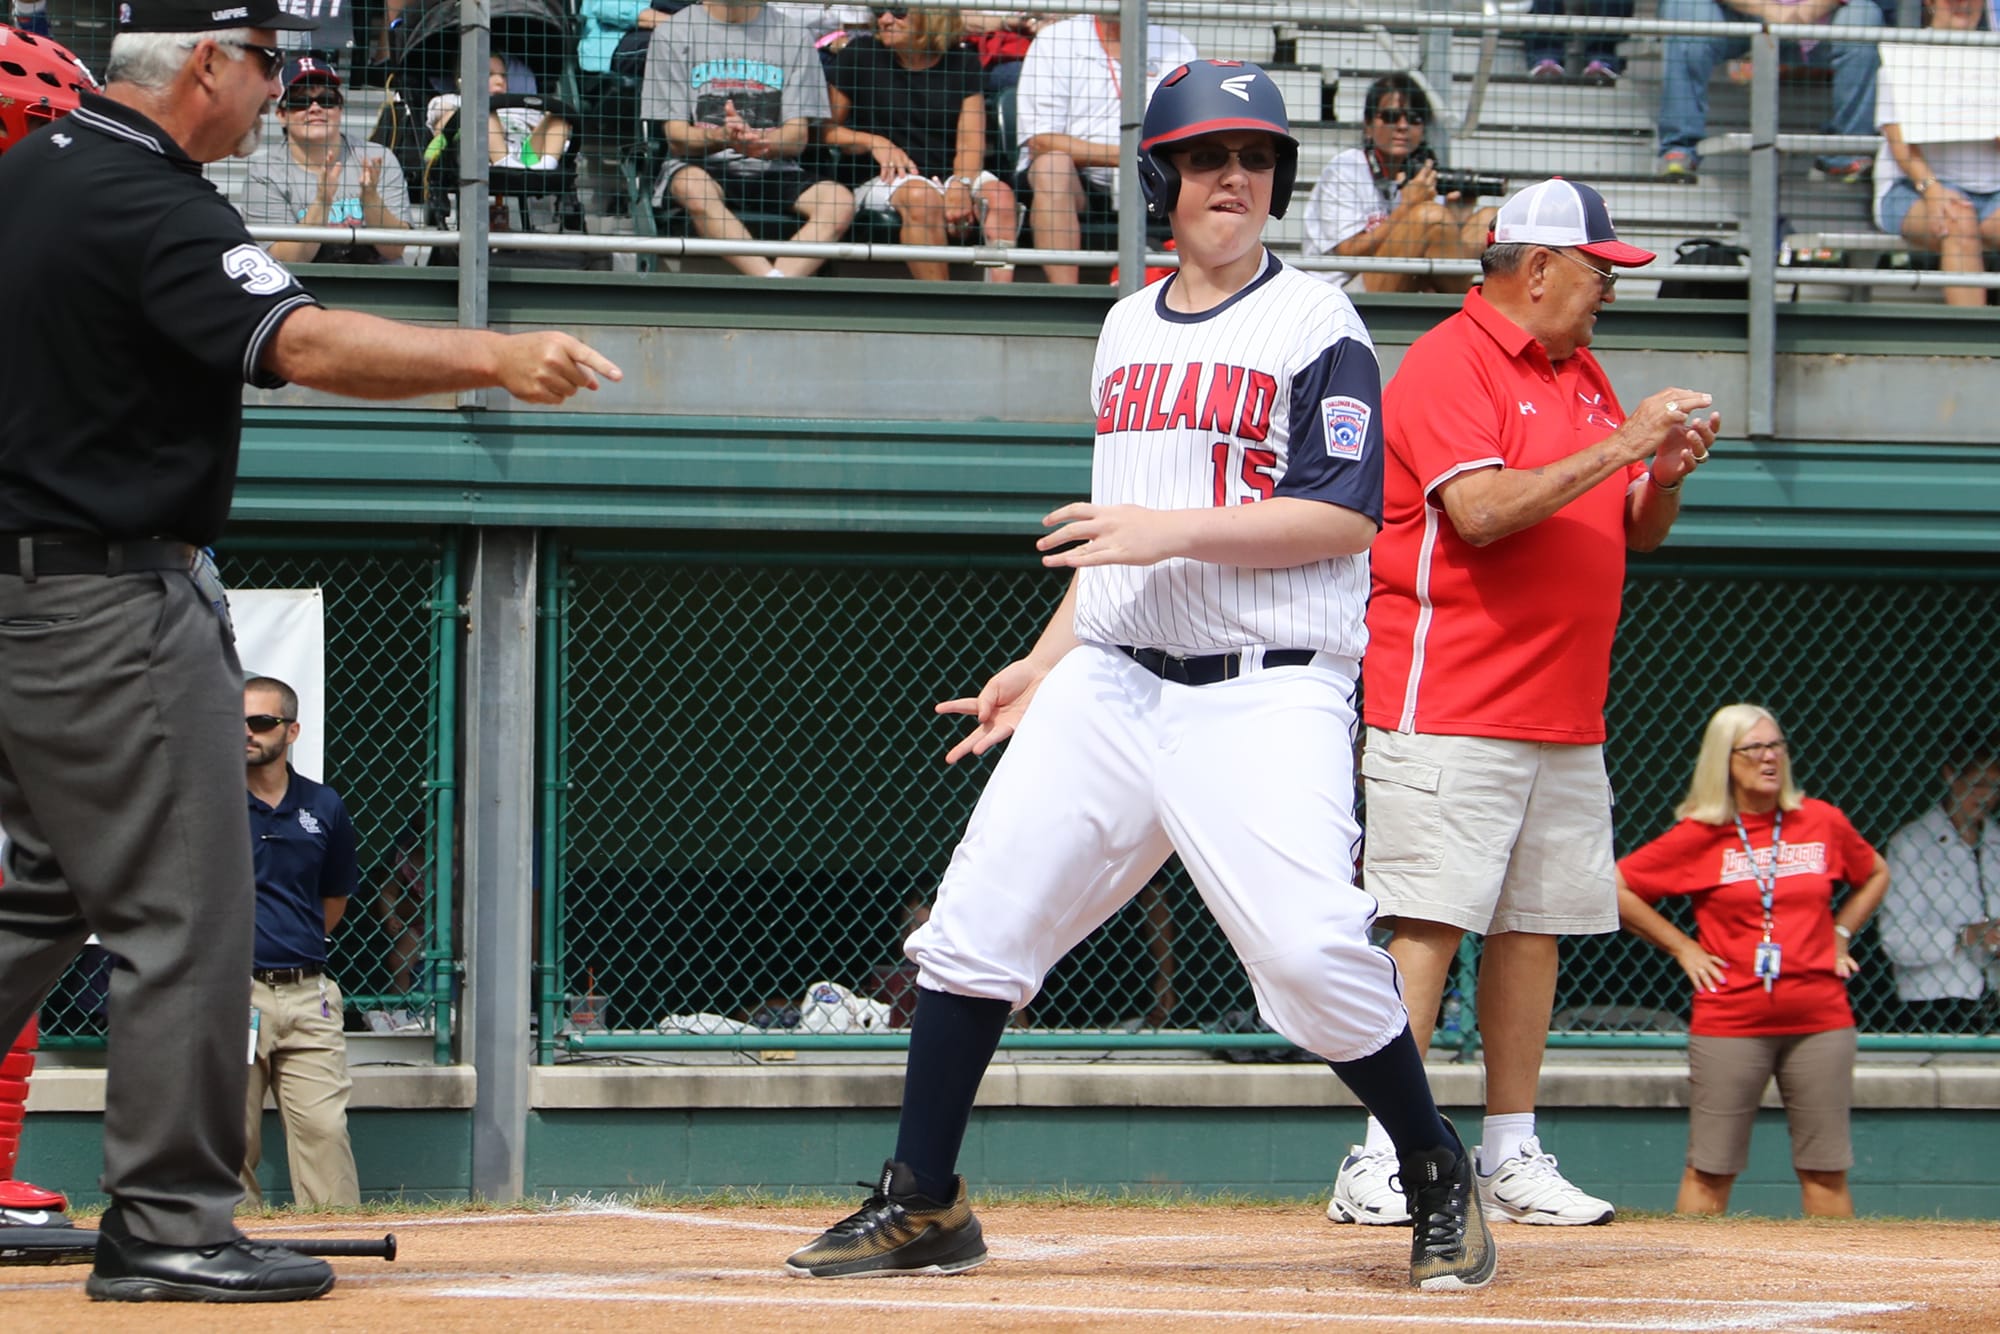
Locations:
{"points": [[952, 1041], [1392, 1085]]}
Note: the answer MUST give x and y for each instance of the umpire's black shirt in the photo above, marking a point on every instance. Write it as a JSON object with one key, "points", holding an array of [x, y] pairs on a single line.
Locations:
{"points": [[137, 308]]}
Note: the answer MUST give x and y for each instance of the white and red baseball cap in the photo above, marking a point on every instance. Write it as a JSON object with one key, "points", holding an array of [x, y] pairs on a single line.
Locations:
{"points": [[1565, 214]]}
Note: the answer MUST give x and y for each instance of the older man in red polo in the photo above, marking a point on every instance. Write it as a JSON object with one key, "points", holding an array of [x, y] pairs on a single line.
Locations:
{"points": [[1515, 484]]}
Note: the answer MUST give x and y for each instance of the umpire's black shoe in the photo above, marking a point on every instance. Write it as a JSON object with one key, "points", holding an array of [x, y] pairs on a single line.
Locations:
{"points": [[897, 1232], [1451, 1247], [131, 1270]]}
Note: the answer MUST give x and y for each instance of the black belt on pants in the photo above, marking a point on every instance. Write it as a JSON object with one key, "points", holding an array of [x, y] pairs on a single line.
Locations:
{"points": [[278, 977], [1210, 668], [32, 555]]}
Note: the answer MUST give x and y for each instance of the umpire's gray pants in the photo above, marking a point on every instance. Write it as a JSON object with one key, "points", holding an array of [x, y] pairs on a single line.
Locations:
{"points": [[121, 790]]}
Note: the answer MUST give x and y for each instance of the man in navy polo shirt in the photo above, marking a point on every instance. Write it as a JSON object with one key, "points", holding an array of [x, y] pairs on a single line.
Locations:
{"points": [[302, 844]]}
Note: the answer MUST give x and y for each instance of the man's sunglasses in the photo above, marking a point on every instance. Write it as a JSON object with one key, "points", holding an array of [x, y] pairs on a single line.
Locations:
{"points": [[323, 97], [264, 722], [1402, 117], [1214, 157], [274, 59]]}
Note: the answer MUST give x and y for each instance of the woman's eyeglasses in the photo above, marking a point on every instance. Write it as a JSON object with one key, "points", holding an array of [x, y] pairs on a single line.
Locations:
{"points": [[890, 11], [1214, 157], [1402, 117], [1761, 749], [329, 99]]}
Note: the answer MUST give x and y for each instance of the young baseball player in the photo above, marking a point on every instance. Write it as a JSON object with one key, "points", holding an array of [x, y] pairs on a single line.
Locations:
{"points": [[1194, 693]]}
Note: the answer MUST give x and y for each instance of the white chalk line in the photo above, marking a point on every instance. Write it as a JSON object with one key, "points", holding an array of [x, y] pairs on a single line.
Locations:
{"points": [[1787, 1316]]}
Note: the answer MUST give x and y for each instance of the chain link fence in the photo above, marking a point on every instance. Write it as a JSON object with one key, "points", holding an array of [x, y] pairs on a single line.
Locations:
{"points": [[387, 725], [755, 803]]}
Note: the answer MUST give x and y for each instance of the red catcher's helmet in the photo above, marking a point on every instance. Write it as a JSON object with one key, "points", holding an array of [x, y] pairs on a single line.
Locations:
{"points": [[40, 81]]}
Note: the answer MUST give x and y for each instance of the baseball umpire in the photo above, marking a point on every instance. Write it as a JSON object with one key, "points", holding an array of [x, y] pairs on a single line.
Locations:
{"points": [[1194, 693], [141, 306]]}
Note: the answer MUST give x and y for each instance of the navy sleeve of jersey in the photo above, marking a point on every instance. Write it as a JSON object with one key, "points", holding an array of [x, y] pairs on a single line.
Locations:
{"points": [[340, 873], [1334, 452], [215, 293]]}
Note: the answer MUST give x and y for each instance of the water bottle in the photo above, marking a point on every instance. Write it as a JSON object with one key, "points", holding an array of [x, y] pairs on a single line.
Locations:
{"points": [[1453, 1023]]}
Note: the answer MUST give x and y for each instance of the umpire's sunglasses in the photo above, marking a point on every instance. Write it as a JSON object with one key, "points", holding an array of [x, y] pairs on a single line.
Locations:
{"points": [[314, 97], [274, 59], [264, 722]]}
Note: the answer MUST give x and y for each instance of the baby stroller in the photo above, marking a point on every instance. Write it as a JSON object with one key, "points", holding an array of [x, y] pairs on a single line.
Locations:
{"points": [[532, 37]]}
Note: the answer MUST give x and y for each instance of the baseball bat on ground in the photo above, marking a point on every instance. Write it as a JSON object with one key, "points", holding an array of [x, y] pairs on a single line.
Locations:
{"points": [[75, 1246]]}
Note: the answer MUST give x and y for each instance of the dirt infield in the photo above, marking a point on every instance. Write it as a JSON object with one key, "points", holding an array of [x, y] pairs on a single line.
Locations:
{"points": [[1077, 1267]]}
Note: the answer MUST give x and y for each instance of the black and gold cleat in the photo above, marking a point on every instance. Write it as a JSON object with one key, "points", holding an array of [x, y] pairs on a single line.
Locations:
{"points": [[1452, 1248], [897, 1232]]}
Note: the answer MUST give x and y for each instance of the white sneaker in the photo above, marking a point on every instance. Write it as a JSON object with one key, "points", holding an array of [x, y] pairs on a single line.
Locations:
{"points": [[1366, 1190], [1527, 1188]]}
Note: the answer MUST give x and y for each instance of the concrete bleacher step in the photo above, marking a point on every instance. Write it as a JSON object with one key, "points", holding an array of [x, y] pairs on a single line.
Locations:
{"points": [[1219, 39]]}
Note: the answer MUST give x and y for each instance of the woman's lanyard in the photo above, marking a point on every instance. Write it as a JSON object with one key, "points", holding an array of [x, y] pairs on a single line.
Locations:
{"points": [[1767, 960]]}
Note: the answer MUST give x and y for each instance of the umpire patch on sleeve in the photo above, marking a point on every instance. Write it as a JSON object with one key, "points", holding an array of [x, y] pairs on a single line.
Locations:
{"points": [[1346, 422]]}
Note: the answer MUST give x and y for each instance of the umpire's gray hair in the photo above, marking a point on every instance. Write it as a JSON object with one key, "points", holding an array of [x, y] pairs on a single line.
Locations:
{"points": [[1501, 260], [150, 60]]}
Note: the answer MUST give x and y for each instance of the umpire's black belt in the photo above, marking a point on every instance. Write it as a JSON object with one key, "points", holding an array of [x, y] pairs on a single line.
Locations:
{"points": [[278, 977], [1210, 668], [32, 555]]}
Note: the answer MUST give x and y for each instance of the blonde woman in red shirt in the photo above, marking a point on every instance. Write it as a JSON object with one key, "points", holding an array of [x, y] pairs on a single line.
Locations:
{"points": [[1769, 961]]}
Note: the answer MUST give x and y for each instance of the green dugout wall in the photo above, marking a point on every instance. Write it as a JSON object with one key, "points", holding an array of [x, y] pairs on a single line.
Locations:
{"points": [[633, 699]]}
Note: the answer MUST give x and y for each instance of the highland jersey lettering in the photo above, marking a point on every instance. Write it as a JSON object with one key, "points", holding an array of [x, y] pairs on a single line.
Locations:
{"points": [[1209, 397]]}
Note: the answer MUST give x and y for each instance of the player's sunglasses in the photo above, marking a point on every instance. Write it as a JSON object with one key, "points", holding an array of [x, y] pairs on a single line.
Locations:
{"points": [[274, 59], [319, 97], [1214, 157], [264, 722], [1402, 117]]}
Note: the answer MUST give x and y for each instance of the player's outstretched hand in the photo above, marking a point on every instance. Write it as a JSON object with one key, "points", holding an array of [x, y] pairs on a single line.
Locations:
{"points": [[1108, 535], [999, 708], [548, 367]]}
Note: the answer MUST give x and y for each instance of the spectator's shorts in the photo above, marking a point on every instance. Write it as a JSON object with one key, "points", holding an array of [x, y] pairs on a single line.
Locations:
{"points": [[1727, 1078], [1489, 834], [875, 192], [771, 191], [1902, 197]]}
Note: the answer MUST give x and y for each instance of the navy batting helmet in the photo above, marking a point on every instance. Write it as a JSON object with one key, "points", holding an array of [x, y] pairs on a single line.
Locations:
{"points": [[1209, 97]]}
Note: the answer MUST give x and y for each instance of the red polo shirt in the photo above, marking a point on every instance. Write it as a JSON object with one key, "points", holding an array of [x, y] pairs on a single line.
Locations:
{"points": [[1512, 639]]}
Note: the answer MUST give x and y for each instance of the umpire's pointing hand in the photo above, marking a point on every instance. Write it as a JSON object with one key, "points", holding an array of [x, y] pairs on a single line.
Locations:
{"points": [[548, 367]]}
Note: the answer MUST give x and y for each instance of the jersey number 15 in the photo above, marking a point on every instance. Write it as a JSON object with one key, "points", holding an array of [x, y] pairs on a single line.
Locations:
{"points": [[1256, 471]]}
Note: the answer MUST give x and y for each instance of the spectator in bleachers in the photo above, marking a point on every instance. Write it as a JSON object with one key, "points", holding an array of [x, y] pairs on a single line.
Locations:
{"points": [[1002, 41], [909, 98], [319, 177], [516, 136], [614, 28], [737, 89], [1940, 195], [1941, 925], [1545, 51], [1688, 61], [1369, 202], [1770, 961], [1068, 114]]}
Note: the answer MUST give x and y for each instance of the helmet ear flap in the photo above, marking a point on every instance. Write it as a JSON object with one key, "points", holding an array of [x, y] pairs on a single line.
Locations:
{"points": [[1286, 178], [1159, 182]]}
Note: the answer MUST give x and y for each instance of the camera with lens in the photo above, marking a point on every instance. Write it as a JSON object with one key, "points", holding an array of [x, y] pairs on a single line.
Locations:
{"points": [[1464, 184]]}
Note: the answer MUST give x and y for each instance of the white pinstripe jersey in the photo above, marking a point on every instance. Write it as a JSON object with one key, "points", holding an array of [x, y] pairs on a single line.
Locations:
{"points": [[1275, 392]]}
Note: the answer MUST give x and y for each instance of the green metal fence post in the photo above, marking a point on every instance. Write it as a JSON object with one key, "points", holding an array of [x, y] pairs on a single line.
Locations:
{"points": [[447, 622], [552, 697]]}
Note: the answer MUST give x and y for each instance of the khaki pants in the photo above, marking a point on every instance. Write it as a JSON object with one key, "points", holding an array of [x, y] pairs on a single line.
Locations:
{"points": [[302, 1060]]}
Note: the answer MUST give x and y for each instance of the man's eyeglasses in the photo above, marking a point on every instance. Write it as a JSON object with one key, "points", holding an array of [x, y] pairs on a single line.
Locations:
{"points": [[1214, 157], [1761, 749], [274, 59], [1401, 117], [264, 722], [1609, 281], [320, 97]]}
